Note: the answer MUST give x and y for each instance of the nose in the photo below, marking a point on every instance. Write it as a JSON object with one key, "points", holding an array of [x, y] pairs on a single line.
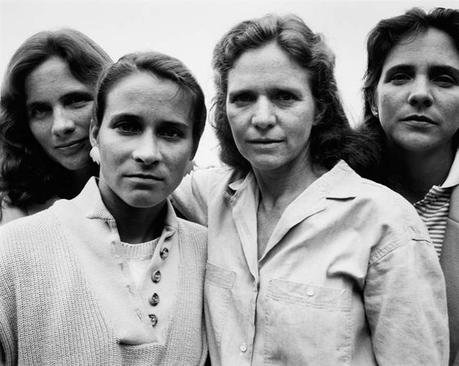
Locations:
{"points": [[420, 95], [63, 124], [147, 151], [263, 116]]}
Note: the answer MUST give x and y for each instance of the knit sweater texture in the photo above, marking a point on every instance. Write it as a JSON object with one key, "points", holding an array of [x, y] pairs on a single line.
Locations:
{"points": [[50, 315]]}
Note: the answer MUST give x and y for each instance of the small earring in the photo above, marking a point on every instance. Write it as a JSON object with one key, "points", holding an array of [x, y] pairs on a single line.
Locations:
{"points": [[94, 154]]}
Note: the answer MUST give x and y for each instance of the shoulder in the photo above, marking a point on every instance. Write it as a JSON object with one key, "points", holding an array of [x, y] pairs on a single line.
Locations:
{"points": [[191, 228], [9, 213], [377, 212]]}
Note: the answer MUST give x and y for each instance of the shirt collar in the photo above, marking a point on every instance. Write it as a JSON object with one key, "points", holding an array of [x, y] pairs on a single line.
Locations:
{"points": [[453, 175], [338, 183]]}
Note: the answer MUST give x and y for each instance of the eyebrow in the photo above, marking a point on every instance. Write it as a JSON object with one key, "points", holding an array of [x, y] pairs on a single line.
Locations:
{"points": [[445, 68], [136, 118]]}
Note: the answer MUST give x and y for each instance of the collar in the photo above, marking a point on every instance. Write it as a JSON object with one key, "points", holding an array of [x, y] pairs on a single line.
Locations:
{"points": [[90, 202], [338, 183], [453, 175]]}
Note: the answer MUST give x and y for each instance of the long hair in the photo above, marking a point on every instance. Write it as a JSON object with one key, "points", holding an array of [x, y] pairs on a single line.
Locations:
{"points": [[28, 175], [381, 40], [162, 66], [308, 50]]}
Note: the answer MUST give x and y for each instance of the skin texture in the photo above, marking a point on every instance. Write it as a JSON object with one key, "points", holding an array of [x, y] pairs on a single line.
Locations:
{"points": [[417, 96], [145, 143], [59, 109], [271, 110]]}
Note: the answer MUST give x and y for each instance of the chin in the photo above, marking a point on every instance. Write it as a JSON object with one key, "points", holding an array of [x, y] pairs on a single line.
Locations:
{"points": [[144, 201]]}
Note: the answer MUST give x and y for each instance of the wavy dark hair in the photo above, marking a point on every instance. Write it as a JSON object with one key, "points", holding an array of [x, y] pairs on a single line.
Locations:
{"points": [[381, 40], [307, 49], [162, 66], [28, 175]]}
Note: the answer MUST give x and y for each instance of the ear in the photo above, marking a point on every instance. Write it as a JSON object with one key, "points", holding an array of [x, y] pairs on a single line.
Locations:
{"points": [[93, 132], [373, 107]]}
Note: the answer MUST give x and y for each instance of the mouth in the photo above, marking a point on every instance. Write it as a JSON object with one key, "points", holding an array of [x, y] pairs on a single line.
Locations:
{"points": [[264, 141], [144, 176], [71, 144], [419, 118]]}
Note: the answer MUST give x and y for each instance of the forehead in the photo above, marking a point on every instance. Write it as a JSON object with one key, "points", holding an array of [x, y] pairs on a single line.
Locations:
{"points": [[145, 94], [267, 66], [50, 77], [432, 47]]}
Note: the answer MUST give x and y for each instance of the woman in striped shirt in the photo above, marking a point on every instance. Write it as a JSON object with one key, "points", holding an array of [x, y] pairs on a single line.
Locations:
{"points": [[412, 110]]}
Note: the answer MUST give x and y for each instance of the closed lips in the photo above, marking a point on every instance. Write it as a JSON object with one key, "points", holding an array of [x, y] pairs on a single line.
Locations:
{"points": [[418, 118], [144, 176], [70, 144]]}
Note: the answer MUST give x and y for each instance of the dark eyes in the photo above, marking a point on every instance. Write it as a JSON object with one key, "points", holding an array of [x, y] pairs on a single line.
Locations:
{"points": [[166, 131], [277, 96], [39, 111], [77, 100], [442, 80]]}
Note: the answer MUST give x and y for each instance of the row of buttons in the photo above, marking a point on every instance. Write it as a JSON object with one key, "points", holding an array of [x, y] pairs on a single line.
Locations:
{"points": [[156, 277]]}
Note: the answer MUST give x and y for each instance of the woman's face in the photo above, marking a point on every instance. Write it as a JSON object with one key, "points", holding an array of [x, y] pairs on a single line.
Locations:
{"points": [[145, 140], [59, 111], [270, 109], [417, 96]]}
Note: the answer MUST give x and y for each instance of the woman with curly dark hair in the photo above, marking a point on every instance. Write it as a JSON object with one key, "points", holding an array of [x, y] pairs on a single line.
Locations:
{"points": [[308, 263], [46, 106], [412, 119]]}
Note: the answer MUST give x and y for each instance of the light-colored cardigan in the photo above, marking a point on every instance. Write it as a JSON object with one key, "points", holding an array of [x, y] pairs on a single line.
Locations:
{"points": [[49, 313]]}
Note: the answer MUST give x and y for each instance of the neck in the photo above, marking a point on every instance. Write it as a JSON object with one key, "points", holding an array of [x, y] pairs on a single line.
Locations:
{"points": [[79, 179], [135, 224], [279, 189], [418, 172]]}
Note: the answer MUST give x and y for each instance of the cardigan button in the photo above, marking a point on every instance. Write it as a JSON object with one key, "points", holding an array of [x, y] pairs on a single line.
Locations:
{"points": [[156, 276], [164, 253], [153, 319], [154, 299]]}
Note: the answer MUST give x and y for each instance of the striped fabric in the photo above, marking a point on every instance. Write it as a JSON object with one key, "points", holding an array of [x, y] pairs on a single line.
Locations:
{"points": [[433, 209]]}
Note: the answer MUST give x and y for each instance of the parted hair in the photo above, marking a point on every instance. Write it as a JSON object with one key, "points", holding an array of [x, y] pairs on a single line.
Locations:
{"points": [[162, 66], [28, 175], [308, 50], [381, 40]]}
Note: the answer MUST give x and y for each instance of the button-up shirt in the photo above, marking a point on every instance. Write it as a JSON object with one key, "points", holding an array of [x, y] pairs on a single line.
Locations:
{"points": [[348, 277]]}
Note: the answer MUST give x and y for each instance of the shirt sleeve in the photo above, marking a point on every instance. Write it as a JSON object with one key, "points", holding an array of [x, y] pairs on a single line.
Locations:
{"points": [[192, 195], [405, 304]]}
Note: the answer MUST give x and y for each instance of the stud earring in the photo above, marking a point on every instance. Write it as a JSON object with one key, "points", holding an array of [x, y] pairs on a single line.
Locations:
{"points": [[94, 154]]}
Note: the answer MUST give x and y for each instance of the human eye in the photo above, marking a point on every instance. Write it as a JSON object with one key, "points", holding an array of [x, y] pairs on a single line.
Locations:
{"points": [[171, 132], [242, 98], [399, 78], [38, 111], [77, 100], [445, 80], [284, 96], [126, 127]]}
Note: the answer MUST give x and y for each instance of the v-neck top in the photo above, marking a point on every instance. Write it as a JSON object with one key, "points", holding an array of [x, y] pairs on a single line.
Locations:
{"points": [[341, 268]]}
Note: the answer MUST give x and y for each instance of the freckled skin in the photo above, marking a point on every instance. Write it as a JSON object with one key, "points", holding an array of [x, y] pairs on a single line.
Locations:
{"points": [[270, 109], [59, 109]]}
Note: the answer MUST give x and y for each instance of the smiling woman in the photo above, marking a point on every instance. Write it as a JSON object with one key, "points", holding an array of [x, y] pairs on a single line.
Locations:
{"points": [[113, 276], [47, 98]]}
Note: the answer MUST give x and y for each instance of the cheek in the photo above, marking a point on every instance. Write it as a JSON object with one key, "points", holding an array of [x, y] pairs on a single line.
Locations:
{"points": [[83, 116], [41, 131]]}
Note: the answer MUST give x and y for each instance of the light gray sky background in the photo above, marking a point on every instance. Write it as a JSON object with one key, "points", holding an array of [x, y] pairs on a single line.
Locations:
{"points": [[189, 29]]}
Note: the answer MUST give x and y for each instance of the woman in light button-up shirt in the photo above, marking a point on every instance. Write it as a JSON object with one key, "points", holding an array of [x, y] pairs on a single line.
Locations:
{"points": [[308, 264]]}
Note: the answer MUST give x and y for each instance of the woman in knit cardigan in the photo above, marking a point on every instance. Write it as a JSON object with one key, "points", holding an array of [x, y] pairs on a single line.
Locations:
{"points": [[113, 277]]}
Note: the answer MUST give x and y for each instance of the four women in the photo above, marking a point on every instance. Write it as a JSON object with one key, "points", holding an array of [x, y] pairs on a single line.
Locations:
{"points": [[412, 112], [307, 262], [46, 100]]}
